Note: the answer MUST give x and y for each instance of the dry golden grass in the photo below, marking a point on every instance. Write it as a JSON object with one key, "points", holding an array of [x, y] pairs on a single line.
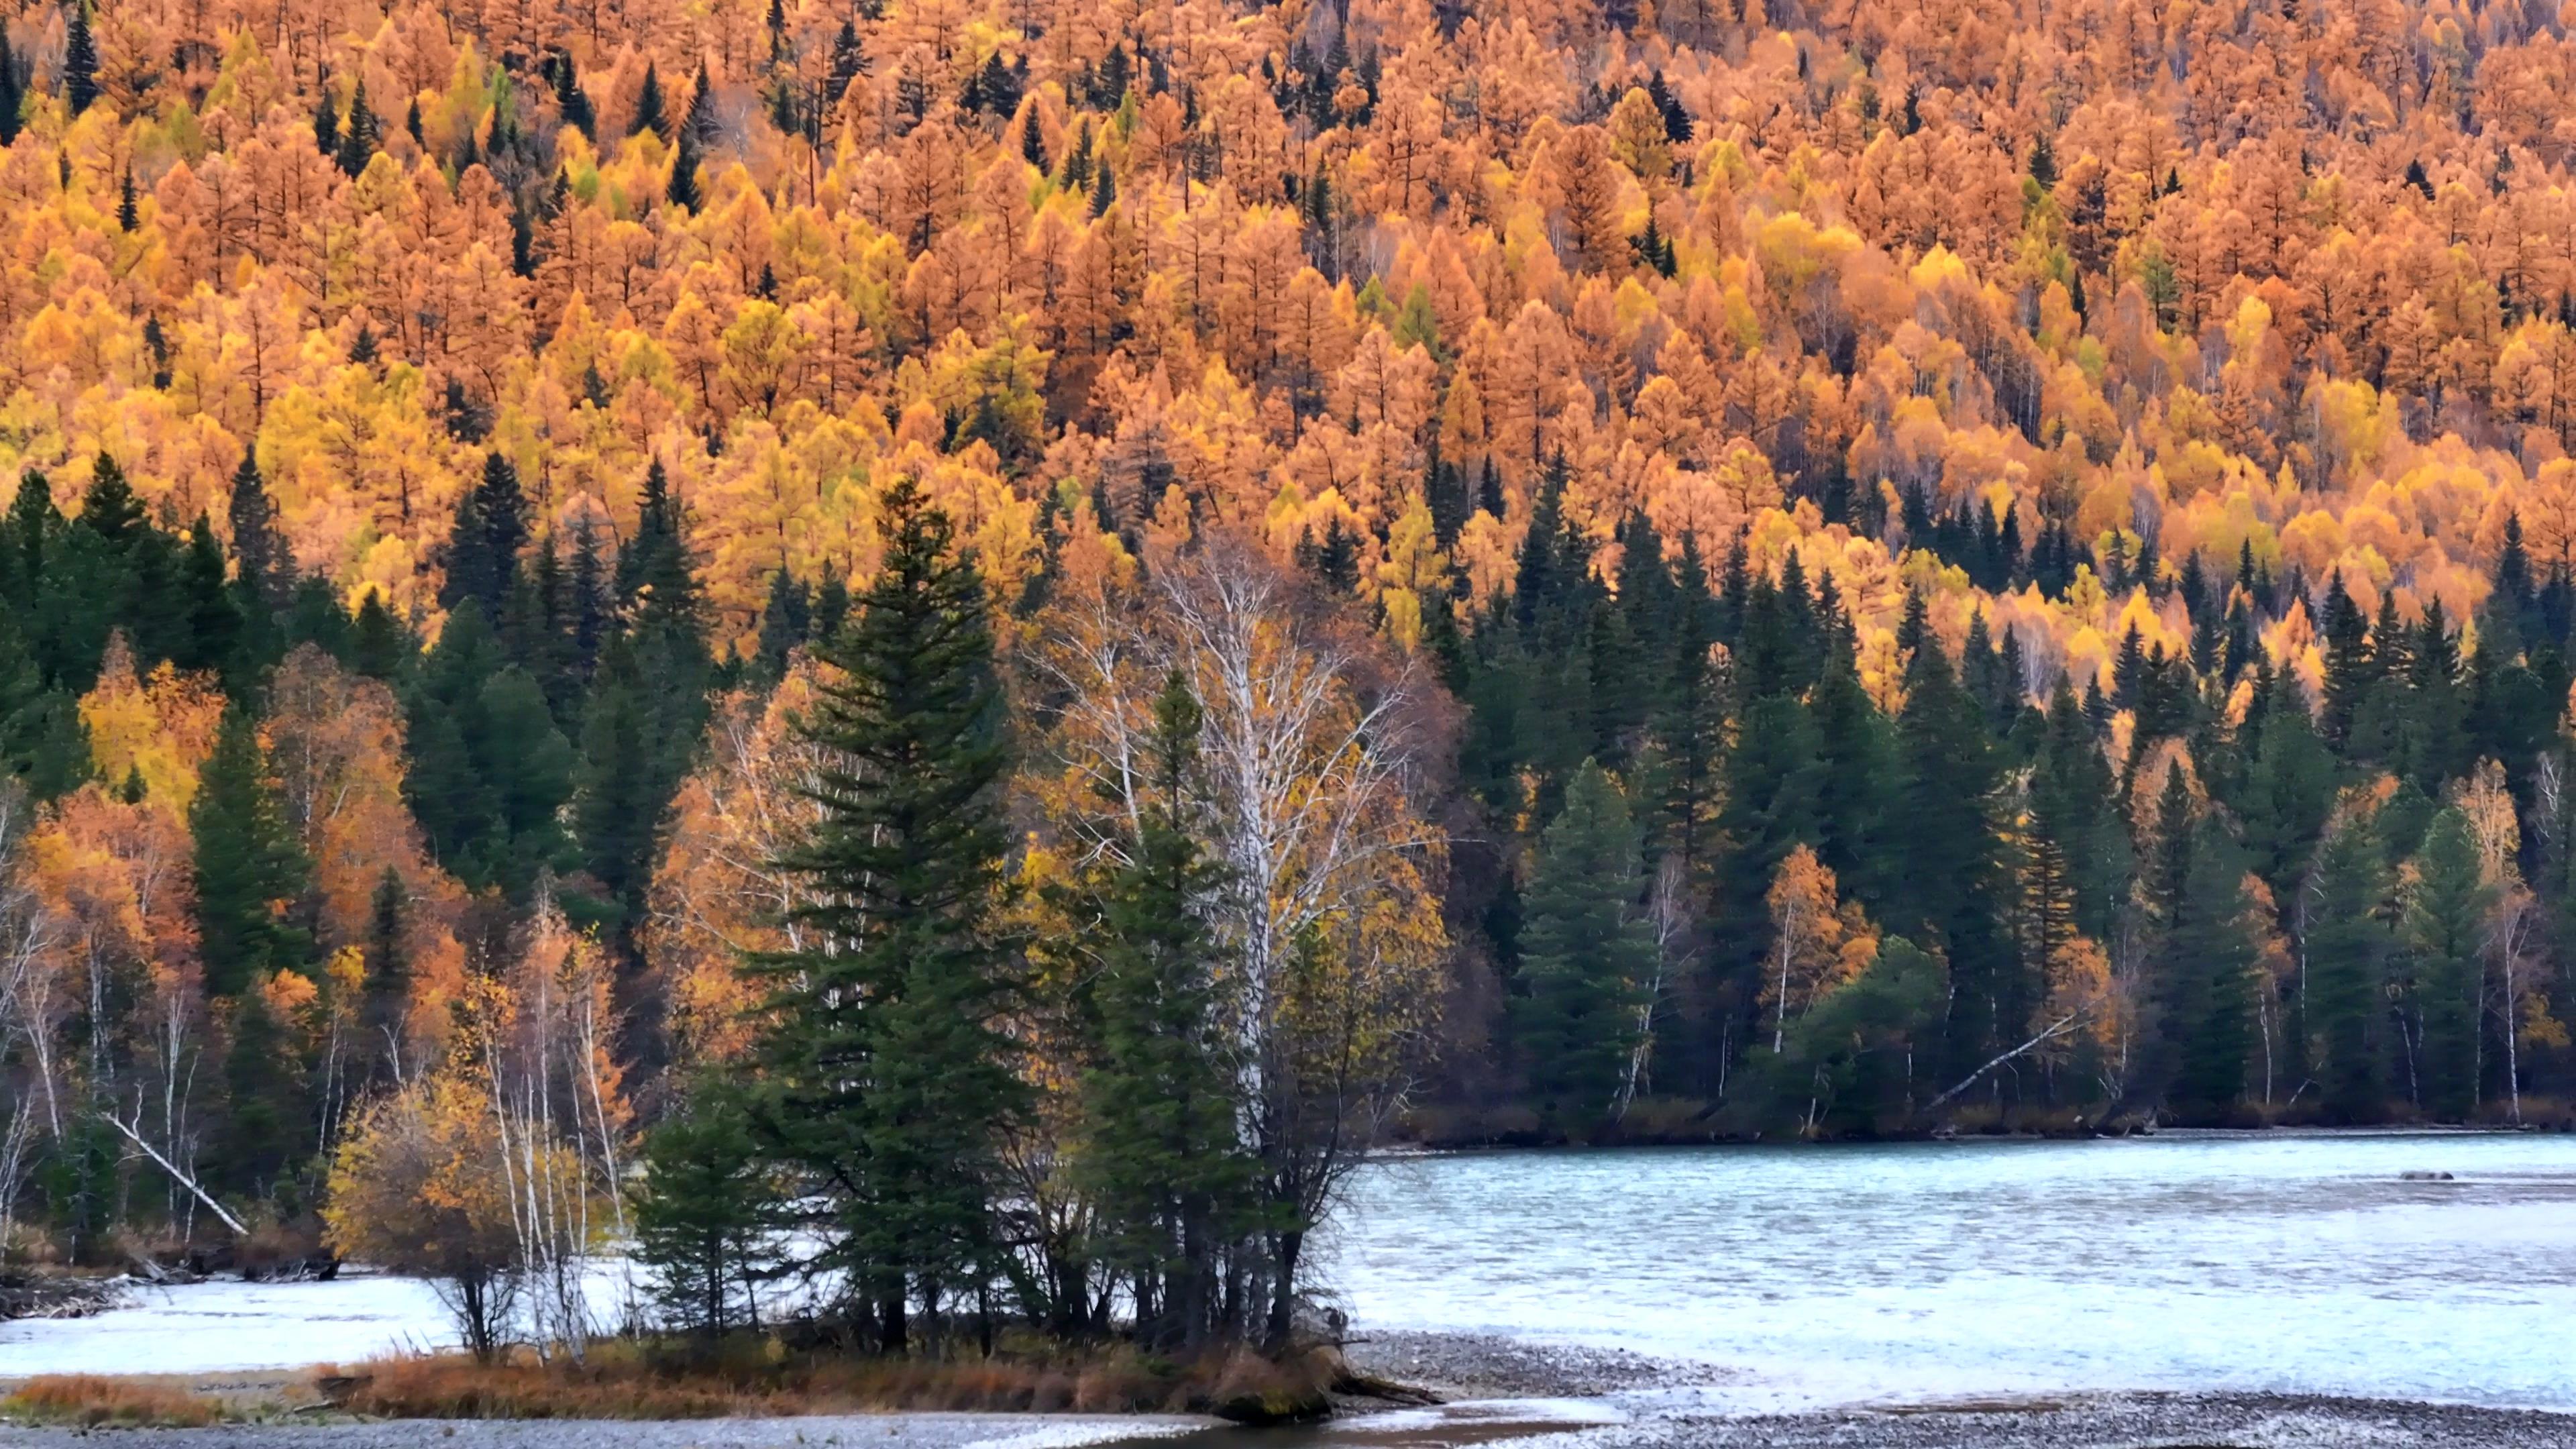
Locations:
{"points": [[101, 1399], [757, 1377]]}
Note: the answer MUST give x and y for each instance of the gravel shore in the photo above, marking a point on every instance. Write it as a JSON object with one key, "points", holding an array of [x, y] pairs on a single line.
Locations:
{"points": [[1681, 1405], [2126, 1421]]}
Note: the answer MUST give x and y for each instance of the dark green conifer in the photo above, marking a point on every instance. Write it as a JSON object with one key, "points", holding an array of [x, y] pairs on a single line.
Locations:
{"points": [[1585, 951], [249, 866], [80, 60], [892, 1078], [2444, 931]]}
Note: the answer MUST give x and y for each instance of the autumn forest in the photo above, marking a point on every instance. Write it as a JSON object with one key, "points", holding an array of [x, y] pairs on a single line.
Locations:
{"points": [[986, 636]]}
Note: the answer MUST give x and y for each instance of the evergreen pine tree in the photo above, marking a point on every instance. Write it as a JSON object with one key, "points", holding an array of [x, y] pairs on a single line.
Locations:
{"points": [[1586, 951], [648, 107], [2443, 933], [483, 548], [619, 799], [360, 136], [849, 62], [388, 979], [1159, 1109], [699, 124], [1033, 141], [707, 1222], [247, 864], [264, 563], [2347, 973], [263, 1134], [891, 1078], [379, 646], [682, 191], [80, 60], [572, 101]]}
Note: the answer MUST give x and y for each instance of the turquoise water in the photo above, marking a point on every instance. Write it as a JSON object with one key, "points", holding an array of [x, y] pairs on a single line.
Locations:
{"points": [[1824, 1275]]}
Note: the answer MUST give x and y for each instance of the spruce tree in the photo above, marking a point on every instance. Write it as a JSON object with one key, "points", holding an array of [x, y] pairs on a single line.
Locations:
{"points": [[388, 979], [1158, 1105], [619, 799], [1033, 142], [682, 191], [44, 746], [1586, 952], [707, 1222], [80, 60], [483, 548], [571, 101], [263, 1134], [849, 61], [247, 863], [2289, 786], [262, 559], [379, 646], [360, 135], [2347, 974], [699, 124], [892, 1076], [2204, 989], [2443, 932], [648, 107]]}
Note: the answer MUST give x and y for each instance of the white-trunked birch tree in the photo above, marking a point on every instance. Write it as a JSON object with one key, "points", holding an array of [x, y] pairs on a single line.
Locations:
{"points": [[1313, 748]]}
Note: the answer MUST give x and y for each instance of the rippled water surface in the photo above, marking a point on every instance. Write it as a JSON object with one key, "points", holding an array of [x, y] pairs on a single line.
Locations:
{"points": [[1829, 1274], [2295, 1263]]}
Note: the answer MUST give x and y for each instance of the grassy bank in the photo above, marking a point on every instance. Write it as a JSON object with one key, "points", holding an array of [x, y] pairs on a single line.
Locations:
{"points": [[744, 1377]]}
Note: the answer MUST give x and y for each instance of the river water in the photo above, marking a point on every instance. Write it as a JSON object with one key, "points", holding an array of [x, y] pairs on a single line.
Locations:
{"points": [[1825, 1275], [1837, 1274]]}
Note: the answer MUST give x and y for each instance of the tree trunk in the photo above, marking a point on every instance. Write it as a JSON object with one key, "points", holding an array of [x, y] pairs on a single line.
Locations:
{"points": [[1283, 1292]]}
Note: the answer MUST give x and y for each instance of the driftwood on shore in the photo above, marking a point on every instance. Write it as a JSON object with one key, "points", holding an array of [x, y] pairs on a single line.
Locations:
{"points": [[25, 1293]]}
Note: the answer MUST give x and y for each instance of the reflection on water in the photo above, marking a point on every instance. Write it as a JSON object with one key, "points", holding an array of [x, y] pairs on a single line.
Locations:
{"points": [[2263, 1262]]}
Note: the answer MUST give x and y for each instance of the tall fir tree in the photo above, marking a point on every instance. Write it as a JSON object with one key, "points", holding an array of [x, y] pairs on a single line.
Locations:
{"points": [[249, 866], [1586, 952], [2348, 944], [2443, 934], [1171, 1186], [80, 60], [483, 548], [893, 1077]]}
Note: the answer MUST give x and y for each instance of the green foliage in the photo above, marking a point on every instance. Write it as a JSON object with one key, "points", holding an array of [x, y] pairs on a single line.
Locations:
{"points": [[1587, 953], [2348, 946], [249, 868], [1172, 1191], [2443, 935], [708, 1218], [1846, 1065], [891, 1074]]}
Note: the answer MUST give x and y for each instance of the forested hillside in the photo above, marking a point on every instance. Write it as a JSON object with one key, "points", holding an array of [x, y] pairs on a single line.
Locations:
{"points": [[886, 586]]}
